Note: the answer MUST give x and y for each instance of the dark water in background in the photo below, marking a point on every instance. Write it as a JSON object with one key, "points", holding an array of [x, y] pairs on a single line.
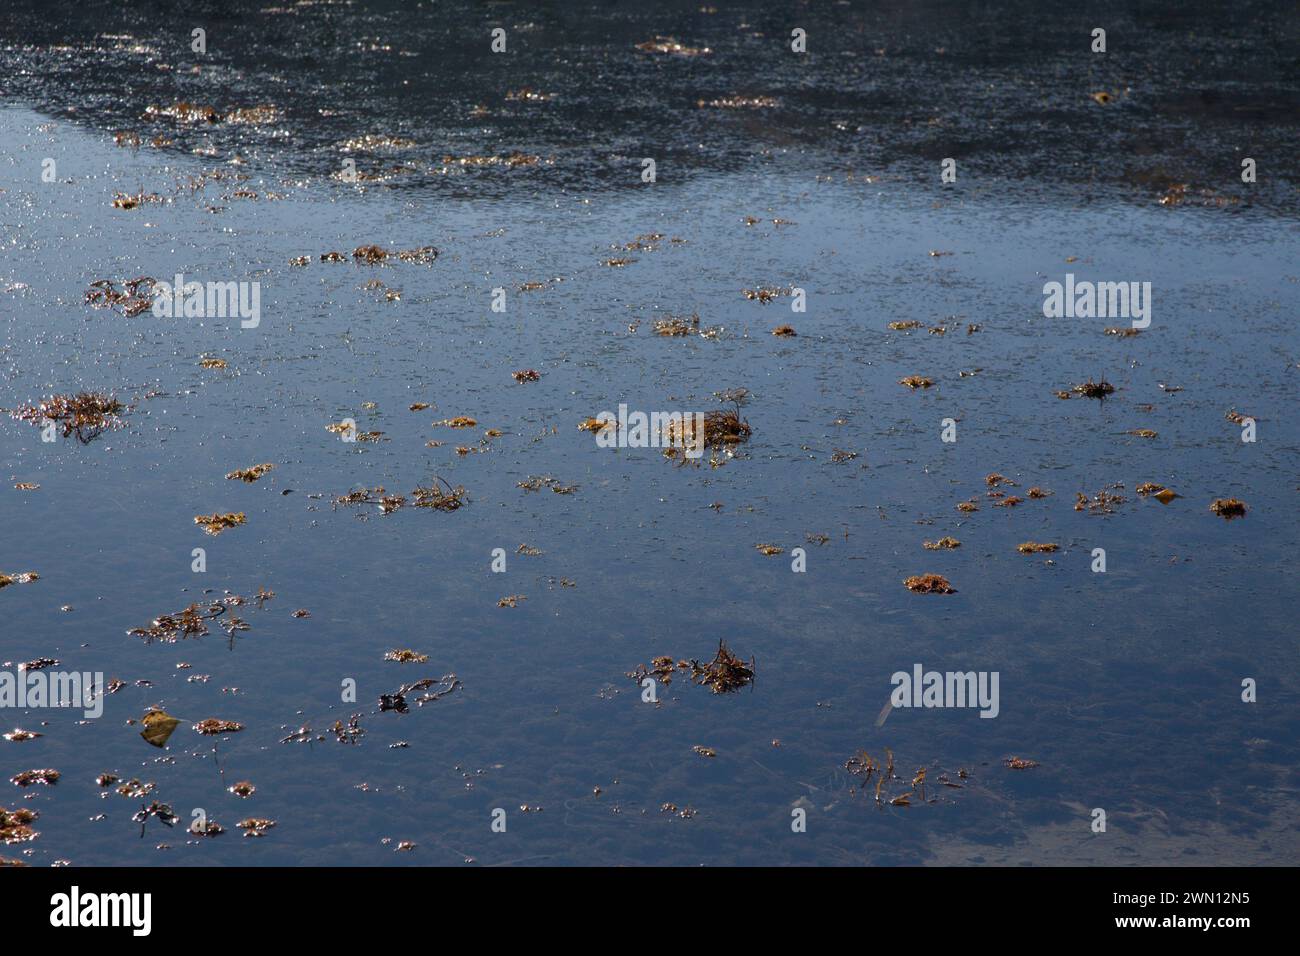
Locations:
{"points": [[1124, 686]]}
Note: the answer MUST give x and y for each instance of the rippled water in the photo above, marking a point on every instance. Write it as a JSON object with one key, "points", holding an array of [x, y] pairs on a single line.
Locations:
{"points": [[1124, 686]]}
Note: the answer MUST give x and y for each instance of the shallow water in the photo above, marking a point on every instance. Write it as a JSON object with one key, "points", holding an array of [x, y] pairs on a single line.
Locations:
{"points": [[1124, 686]]}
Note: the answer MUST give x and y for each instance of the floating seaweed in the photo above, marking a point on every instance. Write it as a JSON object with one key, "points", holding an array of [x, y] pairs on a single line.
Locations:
{"points": [[784, 331], [23, 577], [86, 414], [1091, 389], [1035, 547], [406, 656], [242, 788], [18, 735], [250, 474], [214, 524], [215, 726], [511, 600], [765, 294], [1228, 508], [526, 375], [440, 496], [1103, 502], [255, 826], [723, 428], [770, 549], [170, 628], [904, 326], [725, 673], [1019, 763], [1142, 432], [125, 201], [916, 381], [104, 294], [460, 421], [943, 544], [678, 326], [16, 825], [25, 778], [929, 584]]}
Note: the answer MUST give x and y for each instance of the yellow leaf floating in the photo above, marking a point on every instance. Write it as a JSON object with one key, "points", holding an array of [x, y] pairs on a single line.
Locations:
{"points": [[158, 727]]}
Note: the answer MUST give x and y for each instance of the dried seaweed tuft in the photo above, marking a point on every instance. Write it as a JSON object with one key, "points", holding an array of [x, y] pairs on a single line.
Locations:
{"points": [[929, 584]]}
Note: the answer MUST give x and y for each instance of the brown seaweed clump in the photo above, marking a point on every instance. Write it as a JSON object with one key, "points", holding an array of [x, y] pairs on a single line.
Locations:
{"points": [[406, 656], [1103, 502], [905, 325], [943, 544], [440, 496], [16, 825], [722, 429], [526, 375], [764, 294], [46, 778], [214, 726], [1228, 508], [784, 331], [916, 381], [214, 524], [678, 326], [255, 826], [169, 628], [25, 577], [1035, 547], [250, 474], [86, 414], [103, 294], [370, 254], [929, 584], [1020, 763], [1091, 389], [725, 673]]}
